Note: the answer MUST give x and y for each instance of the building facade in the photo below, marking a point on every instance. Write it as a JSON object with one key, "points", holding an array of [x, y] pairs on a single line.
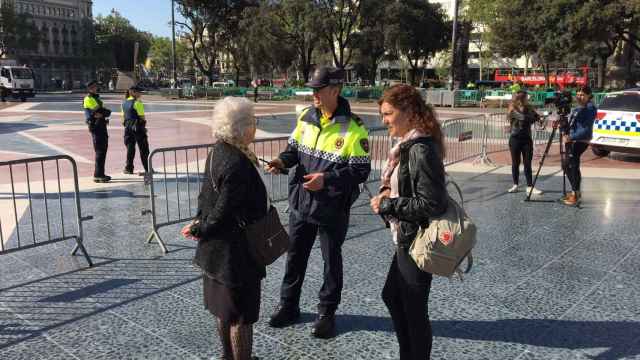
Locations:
{"points": [[66, 33]]}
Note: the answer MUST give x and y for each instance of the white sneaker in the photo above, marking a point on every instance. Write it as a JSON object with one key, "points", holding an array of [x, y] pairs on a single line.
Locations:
{"points": [[535, 191], [513, 189]]}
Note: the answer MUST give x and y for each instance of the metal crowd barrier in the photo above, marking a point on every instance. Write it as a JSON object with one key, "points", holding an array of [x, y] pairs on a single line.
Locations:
{"points": [[177, 172], [30, 189]]}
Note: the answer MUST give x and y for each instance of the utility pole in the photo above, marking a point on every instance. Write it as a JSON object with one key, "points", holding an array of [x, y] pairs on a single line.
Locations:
{"points": [[453, 42], [173, 44]]}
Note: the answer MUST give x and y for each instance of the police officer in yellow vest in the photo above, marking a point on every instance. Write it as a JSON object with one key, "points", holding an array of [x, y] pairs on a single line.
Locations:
{"points": [[330, 151], [97, 117], [135, 129]]}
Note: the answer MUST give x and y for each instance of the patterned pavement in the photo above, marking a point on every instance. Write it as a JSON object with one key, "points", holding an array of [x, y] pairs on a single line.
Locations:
{"points": [[549, 282]]}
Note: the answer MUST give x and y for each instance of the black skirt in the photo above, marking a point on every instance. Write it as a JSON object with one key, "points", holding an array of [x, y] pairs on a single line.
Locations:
{"points": [[239, 305]]}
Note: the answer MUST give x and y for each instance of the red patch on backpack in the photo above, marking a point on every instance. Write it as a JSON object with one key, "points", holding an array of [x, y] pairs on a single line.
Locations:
{"points": [[446, 237]]}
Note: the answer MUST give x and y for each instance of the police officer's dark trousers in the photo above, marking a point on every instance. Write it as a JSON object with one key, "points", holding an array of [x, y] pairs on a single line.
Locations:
{"points": [[100, 139], [406, 295], [136, 135], [303, 235], [573, 151]]}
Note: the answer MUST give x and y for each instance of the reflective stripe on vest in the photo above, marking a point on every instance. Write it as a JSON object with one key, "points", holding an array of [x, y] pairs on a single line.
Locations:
{"points": [[338, 142]]}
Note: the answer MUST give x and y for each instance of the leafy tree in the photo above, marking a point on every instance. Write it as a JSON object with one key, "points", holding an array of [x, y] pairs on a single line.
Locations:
{"points": [[115, 42], [161, 55], [17, 31], [370, 42], [417, 31], [480, 13], [340, 18], [209, 27], [297, 24]]}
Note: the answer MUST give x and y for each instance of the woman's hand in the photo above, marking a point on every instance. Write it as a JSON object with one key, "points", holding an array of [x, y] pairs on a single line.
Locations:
{"points": [[186, 232], [376, 200]]}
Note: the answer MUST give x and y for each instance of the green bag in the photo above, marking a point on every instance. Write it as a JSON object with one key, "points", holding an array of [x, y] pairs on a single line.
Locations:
{"points": [[441, 247]]}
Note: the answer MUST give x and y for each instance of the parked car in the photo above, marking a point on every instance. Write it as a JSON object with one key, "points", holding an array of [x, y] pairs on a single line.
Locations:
{"points": [[617, 124]]}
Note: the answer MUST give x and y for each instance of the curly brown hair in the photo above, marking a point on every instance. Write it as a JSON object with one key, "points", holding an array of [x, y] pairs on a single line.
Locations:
{"points": [[422, 115]]}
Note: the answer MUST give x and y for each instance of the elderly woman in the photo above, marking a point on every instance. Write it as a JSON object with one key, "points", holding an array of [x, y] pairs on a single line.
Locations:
{"points": [[413, 190], [232, 193]]}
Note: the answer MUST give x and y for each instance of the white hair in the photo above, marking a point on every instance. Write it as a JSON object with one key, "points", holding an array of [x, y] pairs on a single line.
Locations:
{"points": [[231, 116]]}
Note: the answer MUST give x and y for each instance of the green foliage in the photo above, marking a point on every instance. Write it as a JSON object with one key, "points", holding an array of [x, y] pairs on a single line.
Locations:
{"points": [[17, 31], [340, 19], [417, 30], [370, 42], [115, 42], [161, 55]]}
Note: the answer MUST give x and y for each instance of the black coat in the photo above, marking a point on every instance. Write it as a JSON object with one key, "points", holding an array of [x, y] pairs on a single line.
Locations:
{"points": [[239, 194], [420, 164]]}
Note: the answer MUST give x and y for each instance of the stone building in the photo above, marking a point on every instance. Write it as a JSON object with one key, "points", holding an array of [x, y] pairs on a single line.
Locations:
{"points": [[62, 57]]}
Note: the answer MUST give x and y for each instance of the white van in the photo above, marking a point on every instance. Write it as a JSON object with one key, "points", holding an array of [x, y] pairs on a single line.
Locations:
{"points": [[617, 124], [16, 82]]}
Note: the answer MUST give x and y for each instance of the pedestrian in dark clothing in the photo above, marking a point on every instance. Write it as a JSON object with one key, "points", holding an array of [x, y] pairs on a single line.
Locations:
{"points": [[97, 118], [330, 151], [413, 190], [577, 141], [232, 192], [521, 117], [135, 129]]}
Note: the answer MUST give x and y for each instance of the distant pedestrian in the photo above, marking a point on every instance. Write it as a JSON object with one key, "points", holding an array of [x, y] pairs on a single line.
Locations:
{"points": [[135, 129], [97, 118], [413, 190], [233, 191], [521, 117]]}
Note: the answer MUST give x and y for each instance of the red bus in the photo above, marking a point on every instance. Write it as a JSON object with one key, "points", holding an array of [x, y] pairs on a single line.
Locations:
{"points": [[560, 77]]}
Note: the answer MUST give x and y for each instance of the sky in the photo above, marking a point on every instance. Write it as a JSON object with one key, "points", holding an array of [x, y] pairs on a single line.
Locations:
{"points": [[153, 16]]}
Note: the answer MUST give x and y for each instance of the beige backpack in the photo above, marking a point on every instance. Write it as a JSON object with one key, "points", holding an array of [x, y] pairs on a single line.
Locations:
{"points": [[441, 247]]}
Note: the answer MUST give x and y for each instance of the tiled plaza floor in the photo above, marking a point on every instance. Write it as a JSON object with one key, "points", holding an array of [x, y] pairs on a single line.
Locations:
{"points": [[549, 282]]}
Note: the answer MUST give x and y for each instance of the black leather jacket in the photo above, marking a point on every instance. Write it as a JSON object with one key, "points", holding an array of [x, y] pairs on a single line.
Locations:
{"points": [[420, 165]]}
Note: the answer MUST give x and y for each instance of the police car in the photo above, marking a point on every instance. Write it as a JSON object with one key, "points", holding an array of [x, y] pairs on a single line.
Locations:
{"points": [[617, 124]]}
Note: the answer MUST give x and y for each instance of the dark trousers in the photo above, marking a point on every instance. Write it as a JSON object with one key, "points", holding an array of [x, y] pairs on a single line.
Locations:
{"points": [[521, 147], [406, 295], [132, 137], [573, 151], [302, 235], [100, 140]]}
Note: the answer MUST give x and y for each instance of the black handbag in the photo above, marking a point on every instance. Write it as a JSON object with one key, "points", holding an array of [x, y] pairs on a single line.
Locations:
{"points": [[266, 237]]}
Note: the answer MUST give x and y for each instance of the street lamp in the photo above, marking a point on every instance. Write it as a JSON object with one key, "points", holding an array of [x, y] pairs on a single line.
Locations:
{"points": [[173, 44], [453, 42]]}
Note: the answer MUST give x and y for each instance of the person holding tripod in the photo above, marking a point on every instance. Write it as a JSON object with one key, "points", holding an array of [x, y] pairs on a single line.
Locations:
{"points": [[576, 136], [521, 116]]}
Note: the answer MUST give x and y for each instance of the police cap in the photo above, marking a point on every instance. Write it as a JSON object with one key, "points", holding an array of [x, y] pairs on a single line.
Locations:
{"points": [[92, 83], [136, 88], [325, 76]]}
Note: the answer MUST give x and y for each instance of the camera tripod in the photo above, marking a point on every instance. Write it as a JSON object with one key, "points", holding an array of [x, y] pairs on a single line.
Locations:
{"points": [[556, 125]]}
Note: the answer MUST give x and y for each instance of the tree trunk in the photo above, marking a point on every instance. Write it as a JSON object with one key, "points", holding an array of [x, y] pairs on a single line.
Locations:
{"points": [[461, 72], [602, 67], [545, 66], [526, 64]]}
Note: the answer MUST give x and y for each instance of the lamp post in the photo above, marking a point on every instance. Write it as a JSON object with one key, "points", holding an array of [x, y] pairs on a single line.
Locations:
{"points": [[453, 42], [173, 45]]}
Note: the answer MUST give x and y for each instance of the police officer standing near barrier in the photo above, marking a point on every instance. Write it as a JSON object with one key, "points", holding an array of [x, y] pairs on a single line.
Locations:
{"points": [[135, 129], [97, 117], [331, 150]]}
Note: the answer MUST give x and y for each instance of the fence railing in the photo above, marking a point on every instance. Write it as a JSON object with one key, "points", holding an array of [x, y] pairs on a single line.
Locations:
{"points": [[177, 172], [38, 205]]}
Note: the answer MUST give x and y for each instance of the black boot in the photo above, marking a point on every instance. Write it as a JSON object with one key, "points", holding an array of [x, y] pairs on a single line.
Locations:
{"points": [[325, 326], [284, 316]]}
